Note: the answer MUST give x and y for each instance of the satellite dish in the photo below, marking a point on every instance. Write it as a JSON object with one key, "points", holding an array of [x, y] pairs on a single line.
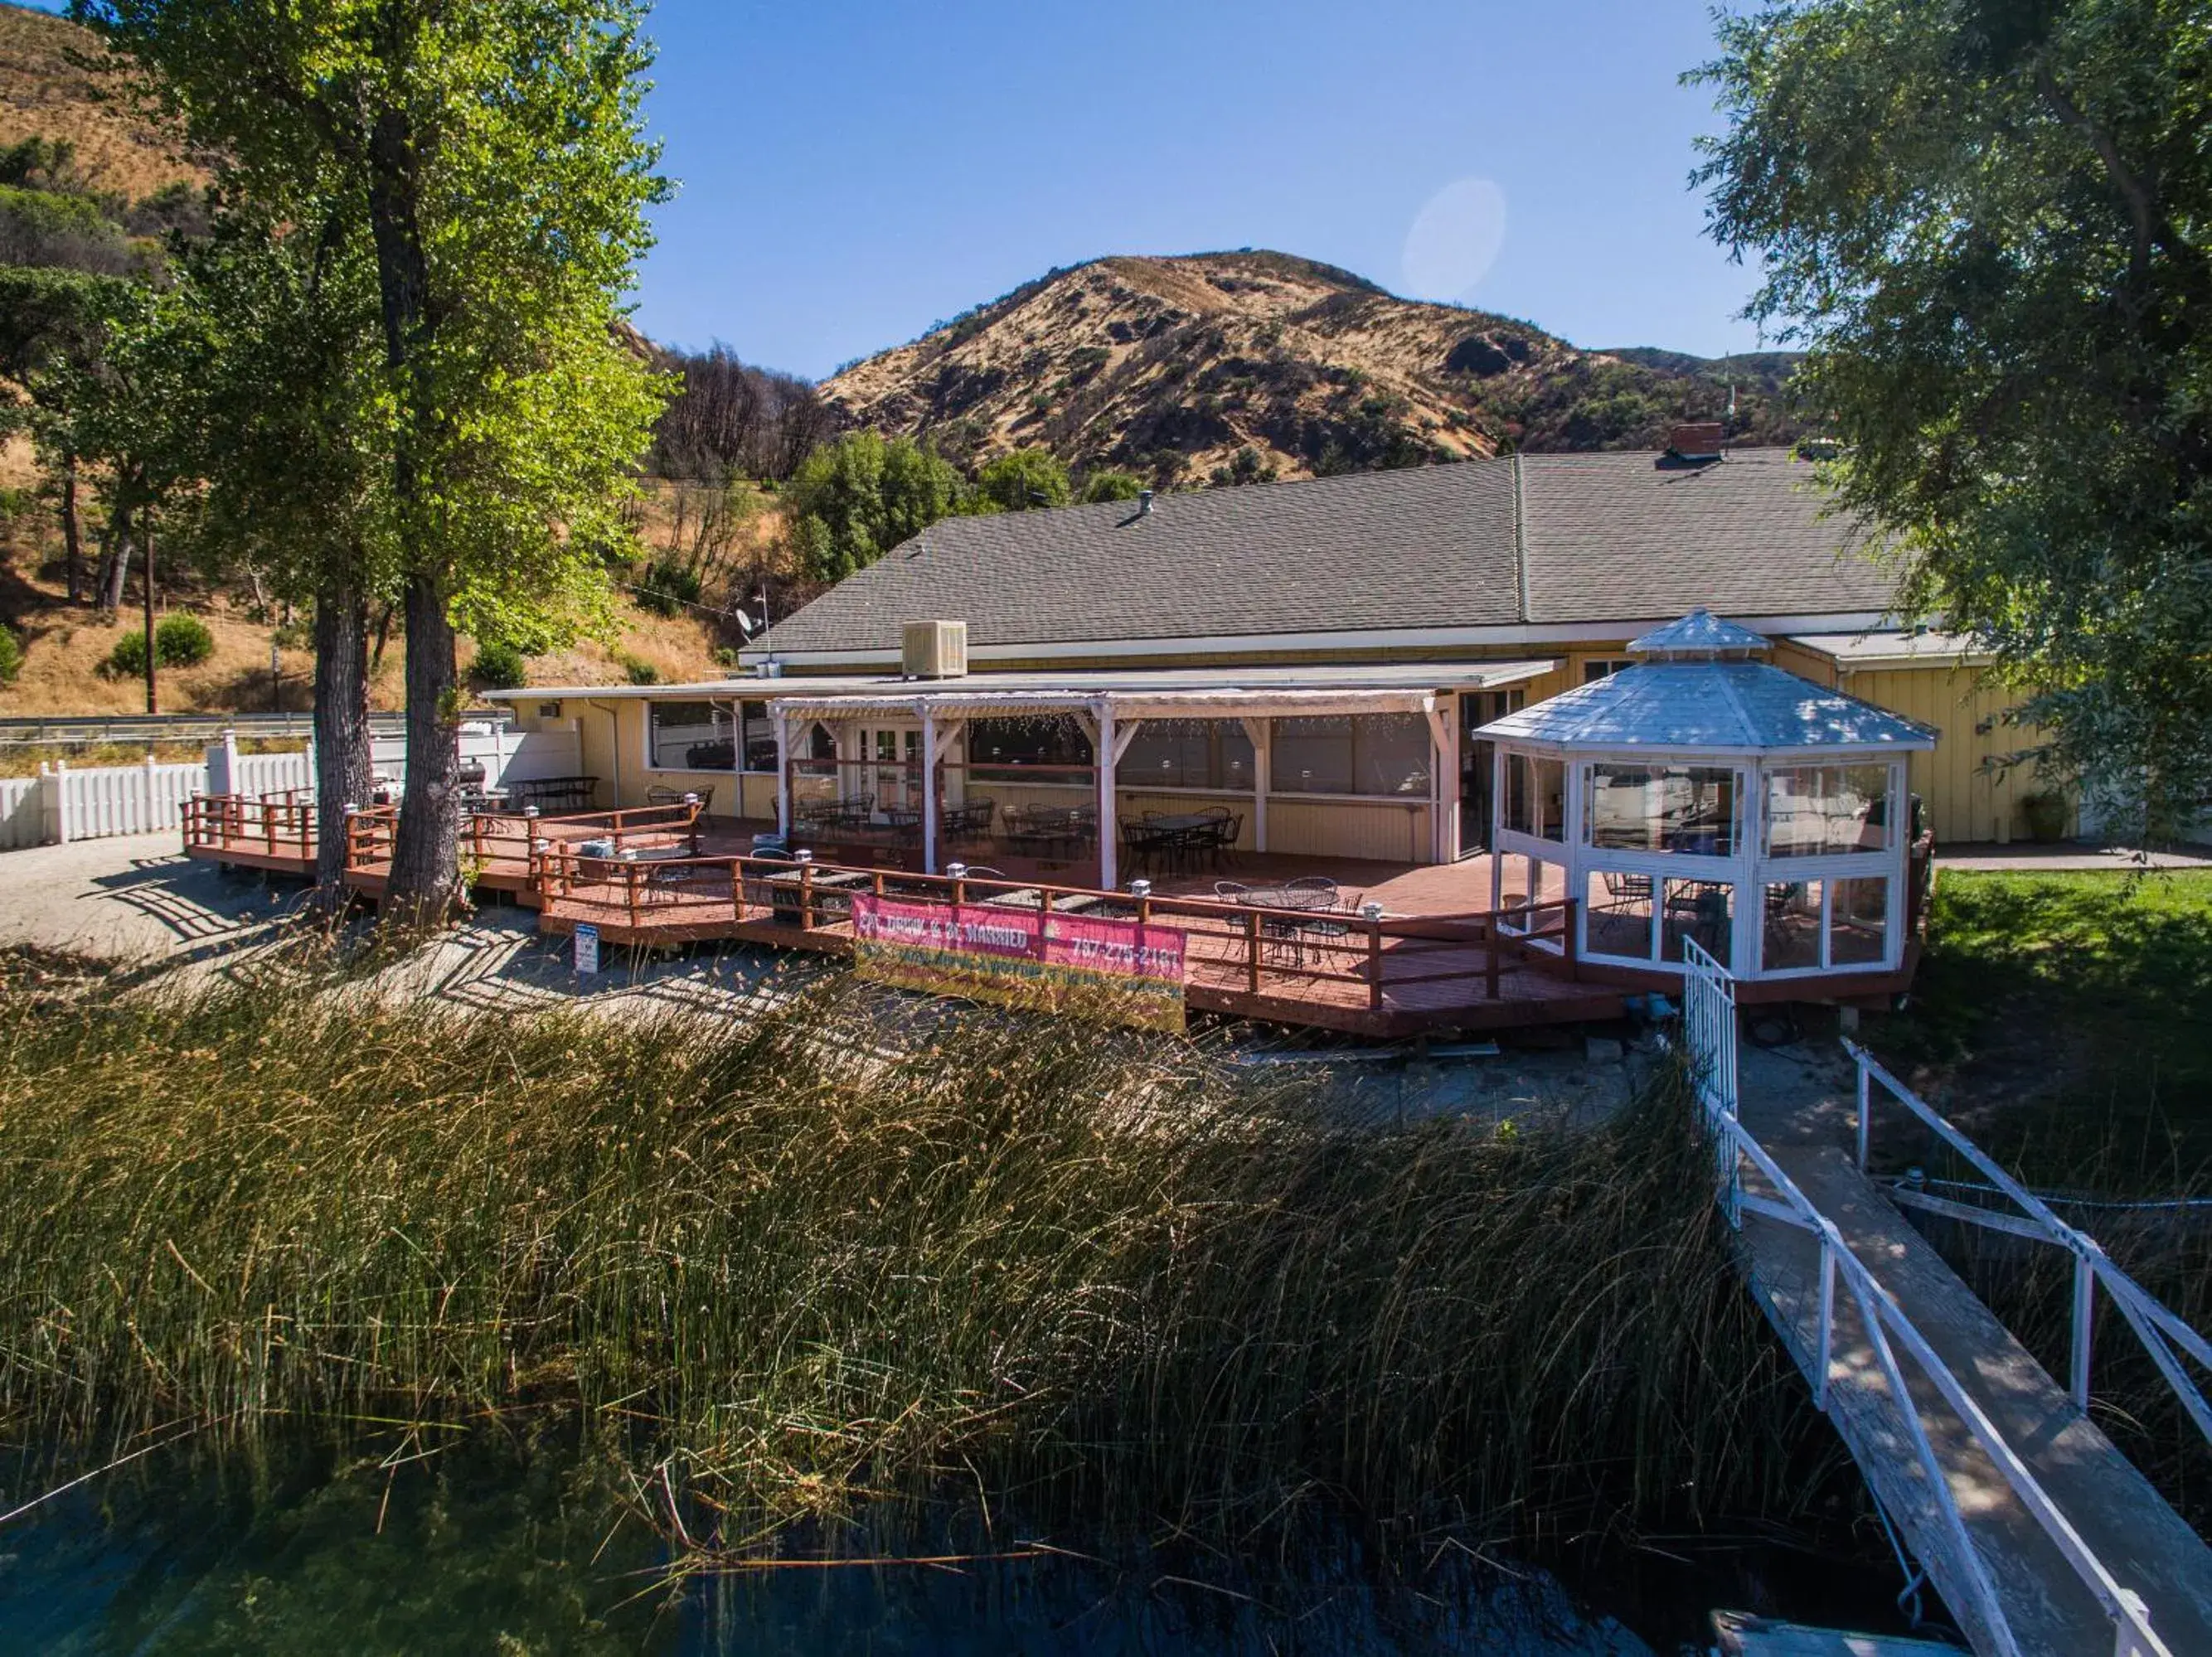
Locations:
{"points": [[744, 622]]}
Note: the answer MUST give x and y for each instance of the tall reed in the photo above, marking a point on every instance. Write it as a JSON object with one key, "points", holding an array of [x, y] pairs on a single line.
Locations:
{"points": [[833, 1253]]}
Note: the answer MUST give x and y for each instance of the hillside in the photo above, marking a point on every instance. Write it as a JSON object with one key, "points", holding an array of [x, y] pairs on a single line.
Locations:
{"points": [[1230, 368], [48, 89]]}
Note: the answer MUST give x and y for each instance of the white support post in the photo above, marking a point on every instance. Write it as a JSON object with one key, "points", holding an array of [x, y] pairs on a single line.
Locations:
{"points": [[1262, 779], [1105, 754], [1827, 1327], [929, 788], [2085, 1307], [1866, 1103], [782, 723], [1442, 747]]}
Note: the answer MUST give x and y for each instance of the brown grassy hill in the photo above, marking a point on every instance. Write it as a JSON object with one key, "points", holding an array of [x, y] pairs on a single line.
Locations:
{"points": [[53, 85], [1177, 366]]}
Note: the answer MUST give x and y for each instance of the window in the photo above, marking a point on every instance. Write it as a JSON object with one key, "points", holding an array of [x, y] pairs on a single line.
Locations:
{"points": [[1351, 753], [689, 736], [1537, 796], [1000, 750], [1661, 808], [1824, 810], [1791, 940], [758, 738], [1618, 914], [1701, 909], [549, 710], [1858, 923], [1595, 670], [1837, 925], [1188, 753]]}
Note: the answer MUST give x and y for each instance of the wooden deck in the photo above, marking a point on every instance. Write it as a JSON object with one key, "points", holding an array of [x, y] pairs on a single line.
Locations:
{"points": [[274, 835]]}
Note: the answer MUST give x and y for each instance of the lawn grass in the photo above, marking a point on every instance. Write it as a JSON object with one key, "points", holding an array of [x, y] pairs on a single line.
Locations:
{"points": [[816, 1260], [2070, 1017]]}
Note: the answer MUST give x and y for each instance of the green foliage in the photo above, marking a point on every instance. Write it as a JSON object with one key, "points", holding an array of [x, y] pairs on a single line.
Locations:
{"points": [[179, 641], [182, 640], [11, 656], [668, 586], [853, 499], [1986, 221], [48, 228], [498, 666], [636, 670], [1110, 485], [1023, 479]]}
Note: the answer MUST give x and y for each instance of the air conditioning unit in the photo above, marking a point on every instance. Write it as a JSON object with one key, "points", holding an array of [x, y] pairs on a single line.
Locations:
{"points": [[934, 650]]}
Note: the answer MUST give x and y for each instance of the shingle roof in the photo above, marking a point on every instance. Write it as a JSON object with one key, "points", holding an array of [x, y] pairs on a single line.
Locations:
{"points": [[1731, 706], [1607, 538], [1610, 537]]}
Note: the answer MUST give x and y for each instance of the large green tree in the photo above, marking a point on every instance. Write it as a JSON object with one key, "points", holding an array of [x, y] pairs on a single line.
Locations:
{"points": [[490, 154], [1988, 221], [853, 499]]}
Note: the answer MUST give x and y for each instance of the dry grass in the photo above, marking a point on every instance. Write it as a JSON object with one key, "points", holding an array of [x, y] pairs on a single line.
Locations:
{"points": [[43, 94], [821, 1258]]}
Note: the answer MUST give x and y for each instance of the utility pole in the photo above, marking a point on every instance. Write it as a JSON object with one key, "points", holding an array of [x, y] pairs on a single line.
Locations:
{"points": [[152, 705]]}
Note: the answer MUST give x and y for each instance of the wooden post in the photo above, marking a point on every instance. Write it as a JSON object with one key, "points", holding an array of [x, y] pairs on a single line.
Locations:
{"points": [[806, 897], [1490, 954], [1252, 950], [1374, 966], [1262, 779], [1104, 753], [928, 791], [629, 877], [1567, 938], [782, 769]]}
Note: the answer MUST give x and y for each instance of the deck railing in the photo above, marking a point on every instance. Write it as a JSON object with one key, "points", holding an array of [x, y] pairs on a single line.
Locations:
{"points": [[279, 825], [1372, 954], [509, 844]]}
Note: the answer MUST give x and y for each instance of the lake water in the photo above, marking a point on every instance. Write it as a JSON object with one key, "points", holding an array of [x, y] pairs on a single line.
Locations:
{"points": [[478, 1552]]}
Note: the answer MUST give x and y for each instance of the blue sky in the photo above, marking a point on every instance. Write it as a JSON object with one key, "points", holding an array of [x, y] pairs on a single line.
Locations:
{"points": [[853, 170]]}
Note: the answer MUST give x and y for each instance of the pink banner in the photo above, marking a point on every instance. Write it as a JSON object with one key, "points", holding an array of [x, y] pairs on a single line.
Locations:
{"points": [[1086, 943]]}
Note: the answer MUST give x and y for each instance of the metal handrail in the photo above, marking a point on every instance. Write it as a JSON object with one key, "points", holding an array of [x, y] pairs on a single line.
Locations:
{"points": [[2154, 1324], [1878, 1307]]}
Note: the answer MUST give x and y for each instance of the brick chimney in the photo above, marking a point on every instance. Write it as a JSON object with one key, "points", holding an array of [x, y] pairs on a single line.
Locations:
{"points": [[1699, 440]]}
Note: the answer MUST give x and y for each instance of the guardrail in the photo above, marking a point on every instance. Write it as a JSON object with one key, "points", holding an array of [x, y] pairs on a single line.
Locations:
{"points": [[2154, 1324], [184, 728], [1883, 1317]]}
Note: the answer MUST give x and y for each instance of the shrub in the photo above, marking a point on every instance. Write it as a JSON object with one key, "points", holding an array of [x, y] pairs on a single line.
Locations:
{"points": [[499, 665], [11, 656], [638, 670], [128, 659], [182, 641], [666, 587]]}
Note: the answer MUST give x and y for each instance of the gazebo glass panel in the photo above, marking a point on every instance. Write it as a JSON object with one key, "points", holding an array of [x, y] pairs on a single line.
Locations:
{"points": [[1822, 810], [1700, 909], [1790, 937], [1858, 923], [1537, 796], [1188, 754], [1641, 807], [1618, 911]]}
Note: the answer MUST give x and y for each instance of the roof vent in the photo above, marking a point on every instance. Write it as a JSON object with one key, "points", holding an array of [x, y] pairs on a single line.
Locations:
{"points": [[934, 650], [1695, 439], [1144, 503]]}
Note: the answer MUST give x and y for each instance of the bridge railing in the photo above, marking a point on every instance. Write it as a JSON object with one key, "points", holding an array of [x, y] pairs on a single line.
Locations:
{"points": [[1884, 1318], [2159, 1329]]}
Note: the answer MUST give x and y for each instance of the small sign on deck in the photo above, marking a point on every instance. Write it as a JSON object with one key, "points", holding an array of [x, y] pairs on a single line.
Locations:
{"points": [[587, 951]]}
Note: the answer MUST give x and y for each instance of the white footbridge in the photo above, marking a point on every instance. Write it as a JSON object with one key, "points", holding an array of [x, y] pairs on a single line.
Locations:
{"points": [[2041, 1537]]}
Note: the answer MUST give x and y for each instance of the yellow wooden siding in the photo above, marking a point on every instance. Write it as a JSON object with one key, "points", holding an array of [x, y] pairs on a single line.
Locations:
{"points": [[1349, 829], [1968, 800], [1805, 664]]}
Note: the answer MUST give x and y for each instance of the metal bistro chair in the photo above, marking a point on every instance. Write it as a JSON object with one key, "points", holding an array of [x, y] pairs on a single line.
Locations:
{"points": [[657, 795], [1139, 845]]}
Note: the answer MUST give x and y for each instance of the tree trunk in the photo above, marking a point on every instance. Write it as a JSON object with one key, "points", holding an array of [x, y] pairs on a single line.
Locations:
{"points": [[115, 563], [426, 866], [72, 538], [152, 700], [343, 760]]}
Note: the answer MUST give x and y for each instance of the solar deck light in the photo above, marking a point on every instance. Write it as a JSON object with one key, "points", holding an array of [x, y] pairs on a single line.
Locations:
{"points": [[1140, 888], [802, 856], [1371, 911], [956, 871]]}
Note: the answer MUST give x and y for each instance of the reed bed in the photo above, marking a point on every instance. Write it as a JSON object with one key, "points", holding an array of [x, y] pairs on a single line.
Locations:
{"points": [[829, 1255]]}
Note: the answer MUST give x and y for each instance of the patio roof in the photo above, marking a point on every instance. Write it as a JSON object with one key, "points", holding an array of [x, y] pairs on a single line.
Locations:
{"points": [[1222, 684], [1720, 707]]}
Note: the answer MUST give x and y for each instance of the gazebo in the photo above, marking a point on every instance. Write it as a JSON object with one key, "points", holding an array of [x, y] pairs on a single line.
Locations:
{"points": [[1705, 793]]}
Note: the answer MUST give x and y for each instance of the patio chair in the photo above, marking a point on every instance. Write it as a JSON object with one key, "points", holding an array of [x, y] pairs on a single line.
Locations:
{"points": [[658, 795], [1140, 844], [1626, 892]]}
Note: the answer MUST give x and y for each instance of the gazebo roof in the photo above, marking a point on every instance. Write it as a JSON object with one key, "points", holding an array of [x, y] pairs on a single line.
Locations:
{"points": [[1723, 707], [1699, 635]]}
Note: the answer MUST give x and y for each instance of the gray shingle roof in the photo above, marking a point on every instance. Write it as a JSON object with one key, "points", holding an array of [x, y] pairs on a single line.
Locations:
{"points": [[1614, 537], [1733, 705], [1607, 538]]}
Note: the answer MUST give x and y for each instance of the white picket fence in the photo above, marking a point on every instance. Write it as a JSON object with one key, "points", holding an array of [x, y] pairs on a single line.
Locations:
{"points": [[60, 805]]}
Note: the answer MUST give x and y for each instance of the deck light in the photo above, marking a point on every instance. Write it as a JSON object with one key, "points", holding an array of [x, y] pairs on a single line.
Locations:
{"points": [[1371, 911], [802, 856], [956, 871], [1140, 888]]}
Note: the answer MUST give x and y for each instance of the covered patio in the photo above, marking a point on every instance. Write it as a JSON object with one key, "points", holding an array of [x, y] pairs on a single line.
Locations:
{"points": [[1098, 778]]}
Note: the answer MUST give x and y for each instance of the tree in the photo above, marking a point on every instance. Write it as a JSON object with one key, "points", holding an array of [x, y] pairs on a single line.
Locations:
{"points": [[492, 154], [1987, 219], [1110, 485], [853, 500], [1023, 479]]}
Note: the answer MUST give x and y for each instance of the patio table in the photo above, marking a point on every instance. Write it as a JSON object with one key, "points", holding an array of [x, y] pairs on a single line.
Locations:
{"points": [[1289, 934]]}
